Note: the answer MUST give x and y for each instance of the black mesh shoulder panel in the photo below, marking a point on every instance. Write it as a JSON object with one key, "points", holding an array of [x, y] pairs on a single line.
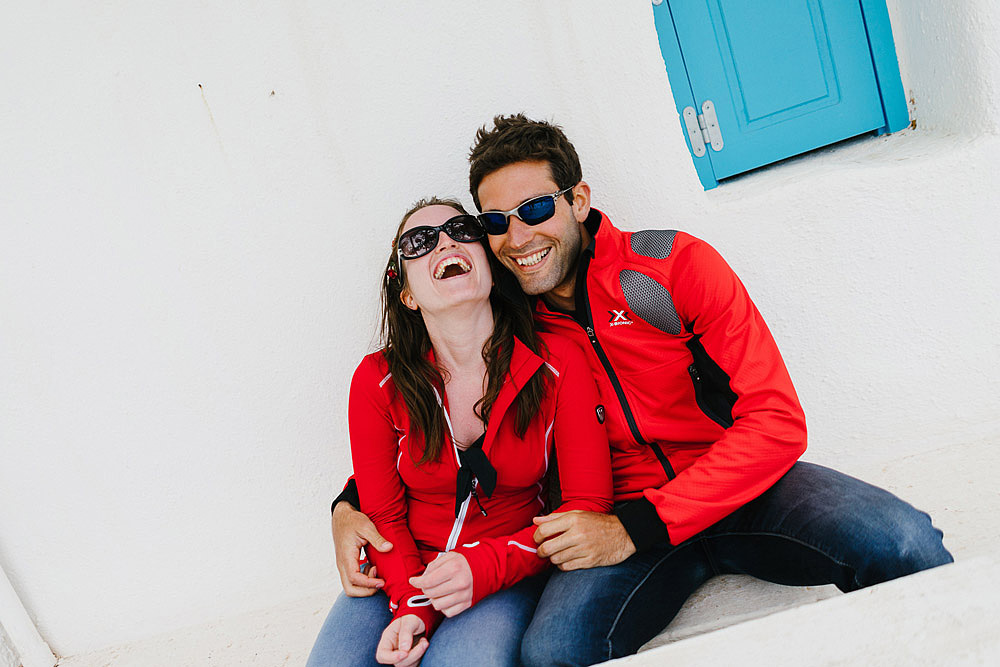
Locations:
{"points": [[655, 243], [650, 300]]}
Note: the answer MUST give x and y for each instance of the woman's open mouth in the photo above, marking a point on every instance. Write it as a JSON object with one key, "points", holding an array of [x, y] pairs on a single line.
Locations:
{"points": [[451, 267]]}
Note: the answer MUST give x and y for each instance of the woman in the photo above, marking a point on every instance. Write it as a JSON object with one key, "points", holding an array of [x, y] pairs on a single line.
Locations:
{"points": [[452, 426]]}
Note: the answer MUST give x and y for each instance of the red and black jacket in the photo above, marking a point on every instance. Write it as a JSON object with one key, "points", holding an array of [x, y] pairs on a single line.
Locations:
{"points": [[414, 507], [702, 415]]}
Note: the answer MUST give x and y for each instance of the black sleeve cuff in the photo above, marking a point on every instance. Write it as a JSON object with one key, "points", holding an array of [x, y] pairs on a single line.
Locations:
{"points": [[349, 495], [642, 523]]}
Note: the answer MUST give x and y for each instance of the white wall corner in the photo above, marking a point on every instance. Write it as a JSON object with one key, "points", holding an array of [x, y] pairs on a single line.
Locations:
{"points": [[20, 643]]}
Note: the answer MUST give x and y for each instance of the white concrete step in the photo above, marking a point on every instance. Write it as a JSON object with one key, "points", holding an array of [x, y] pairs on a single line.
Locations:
{"points": [[950, 615], [731, 599], [941, 615], [946, 616]]}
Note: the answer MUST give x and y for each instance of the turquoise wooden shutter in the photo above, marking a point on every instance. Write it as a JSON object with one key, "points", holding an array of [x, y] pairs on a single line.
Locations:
{"points": [[762, 80]]}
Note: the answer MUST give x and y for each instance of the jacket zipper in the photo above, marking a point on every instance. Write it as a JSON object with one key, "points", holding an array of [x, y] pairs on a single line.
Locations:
{"points": [[583, 306], [456, 528], [475, 496]]}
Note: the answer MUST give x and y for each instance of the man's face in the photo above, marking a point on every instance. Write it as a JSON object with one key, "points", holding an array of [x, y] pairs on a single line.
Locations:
{"points": [[540, 256]]}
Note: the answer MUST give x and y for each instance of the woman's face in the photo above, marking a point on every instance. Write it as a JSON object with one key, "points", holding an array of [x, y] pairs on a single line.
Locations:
{"points": [[452, 274]]}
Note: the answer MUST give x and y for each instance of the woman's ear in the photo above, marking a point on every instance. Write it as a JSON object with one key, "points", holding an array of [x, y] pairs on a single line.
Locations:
{"points": [[407, 298]]}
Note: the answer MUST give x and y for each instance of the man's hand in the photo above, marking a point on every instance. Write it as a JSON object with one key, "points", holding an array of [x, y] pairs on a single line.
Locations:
{"points": [[447, 581], [351, 531], [402, 643], [577, 540]]}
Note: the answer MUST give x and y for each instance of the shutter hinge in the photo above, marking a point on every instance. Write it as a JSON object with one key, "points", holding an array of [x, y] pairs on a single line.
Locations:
{"points": [[703, 128]]}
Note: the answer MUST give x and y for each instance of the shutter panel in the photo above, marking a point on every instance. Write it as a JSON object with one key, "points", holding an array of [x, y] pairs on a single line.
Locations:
{"points": [[784, 76]]}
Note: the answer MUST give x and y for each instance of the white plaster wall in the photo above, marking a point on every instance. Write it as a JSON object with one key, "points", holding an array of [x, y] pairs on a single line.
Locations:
{"points": [[948, 56], [195, 200], [8, 657]]}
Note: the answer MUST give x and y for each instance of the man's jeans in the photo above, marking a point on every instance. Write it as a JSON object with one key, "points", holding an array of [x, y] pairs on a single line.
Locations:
{"points": [[814, 526], [487, 634]]}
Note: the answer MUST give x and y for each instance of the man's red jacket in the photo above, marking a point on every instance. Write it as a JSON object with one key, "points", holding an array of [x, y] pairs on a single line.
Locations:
{"points": [[701, 413], [414, 506]]}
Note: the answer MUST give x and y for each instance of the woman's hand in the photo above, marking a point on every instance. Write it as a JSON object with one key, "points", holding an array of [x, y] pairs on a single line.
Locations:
{"points": [[447, 581], [351, 531], [402, 643]]}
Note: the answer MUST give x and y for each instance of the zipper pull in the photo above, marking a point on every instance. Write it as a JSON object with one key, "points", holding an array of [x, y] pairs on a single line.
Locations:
{"points": [[591, 335], [693, 370], [475, 496]]}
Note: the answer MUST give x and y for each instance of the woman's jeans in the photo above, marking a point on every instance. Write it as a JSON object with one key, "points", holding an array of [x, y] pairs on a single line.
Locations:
{"points": [[487, 634], [814, 526]]}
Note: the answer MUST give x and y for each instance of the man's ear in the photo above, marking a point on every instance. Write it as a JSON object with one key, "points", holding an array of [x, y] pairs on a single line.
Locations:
{"points": [[407, 298], [581, 201]]}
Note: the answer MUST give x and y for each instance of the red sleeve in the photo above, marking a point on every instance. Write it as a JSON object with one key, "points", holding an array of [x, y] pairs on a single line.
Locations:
{"points": [[769, 431], [374, 450], [581, 446]]}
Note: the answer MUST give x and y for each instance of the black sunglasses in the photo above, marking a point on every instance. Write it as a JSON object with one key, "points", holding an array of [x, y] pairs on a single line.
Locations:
{"points": [[419, 241], [532, 212]]}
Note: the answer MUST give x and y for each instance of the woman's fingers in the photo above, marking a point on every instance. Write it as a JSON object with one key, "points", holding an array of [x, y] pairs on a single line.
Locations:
{"points": [[415, 654]]}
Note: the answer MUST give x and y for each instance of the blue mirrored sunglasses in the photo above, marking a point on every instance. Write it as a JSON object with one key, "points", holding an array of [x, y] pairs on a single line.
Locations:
{"points": [[532, 212]]}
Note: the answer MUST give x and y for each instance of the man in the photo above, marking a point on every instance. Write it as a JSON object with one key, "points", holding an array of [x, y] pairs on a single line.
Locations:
{"points": [[704, 423]]}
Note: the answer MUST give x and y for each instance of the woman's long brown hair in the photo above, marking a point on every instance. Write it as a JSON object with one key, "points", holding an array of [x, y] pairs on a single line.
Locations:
{"points": [[406, 343]]}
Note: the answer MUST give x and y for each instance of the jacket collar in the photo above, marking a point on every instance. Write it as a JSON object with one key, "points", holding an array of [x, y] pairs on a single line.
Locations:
{"points": [[605, 247], [523, 364], [606, 240]]}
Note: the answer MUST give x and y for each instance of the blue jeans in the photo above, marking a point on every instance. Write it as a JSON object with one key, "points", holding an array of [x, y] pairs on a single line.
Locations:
{"points": [[814, 526], [487, 634]]}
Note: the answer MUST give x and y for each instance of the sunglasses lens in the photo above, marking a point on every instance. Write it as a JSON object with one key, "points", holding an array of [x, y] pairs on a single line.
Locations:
{"points": [[494, 223], [421, 240], [537, 210], [418, 241], [464, 228]]}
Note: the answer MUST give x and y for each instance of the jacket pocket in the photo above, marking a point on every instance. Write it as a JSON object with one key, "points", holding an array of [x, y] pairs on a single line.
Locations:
{"points": [[711, 386]]}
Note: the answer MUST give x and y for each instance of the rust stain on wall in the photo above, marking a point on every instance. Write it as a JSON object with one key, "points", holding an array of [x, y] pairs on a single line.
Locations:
{"points": [[211, 119]]}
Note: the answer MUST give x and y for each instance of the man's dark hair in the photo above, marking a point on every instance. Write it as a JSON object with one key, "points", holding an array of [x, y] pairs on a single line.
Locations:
{"points": [[517, 139]]}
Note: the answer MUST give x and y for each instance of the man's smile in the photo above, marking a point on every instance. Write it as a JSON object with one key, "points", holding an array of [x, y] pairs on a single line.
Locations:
{"points": [[531, 260], [528, 261]]}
